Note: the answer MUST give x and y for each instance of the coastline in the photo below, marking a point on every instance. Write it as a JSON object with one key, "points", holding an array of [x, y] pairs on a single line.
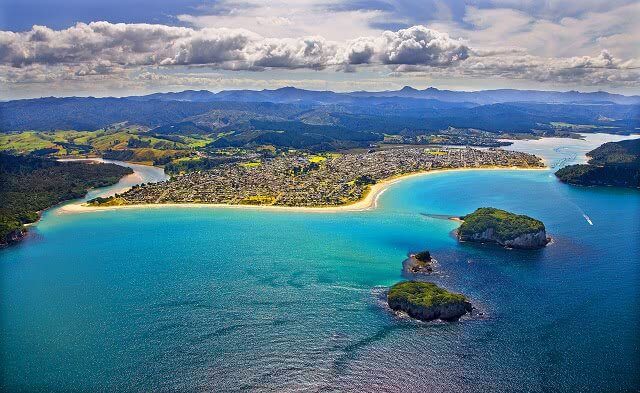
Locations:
{"points": [[368, 202]]}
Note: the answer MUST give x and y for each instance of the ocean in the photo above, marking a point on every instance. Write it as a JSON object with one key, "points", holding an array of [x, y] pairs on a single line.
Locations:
{"points": [[206, 299]]}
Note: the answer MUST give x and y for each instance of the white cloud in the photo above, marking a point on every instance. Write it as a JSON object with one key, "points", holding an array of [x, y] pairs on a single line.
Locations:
{"points": [[416, 45], [286, 18], [126, 45], [555, 9], [613, 28], [603, 69], [589, 49]]}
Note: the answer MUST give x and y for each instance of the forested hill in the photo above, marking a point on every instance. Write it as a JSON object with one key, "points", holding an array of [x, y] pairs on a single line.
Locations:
{"points": [[30, 184], [612, 164], [88, 113], [407, 111], [624, 153]]}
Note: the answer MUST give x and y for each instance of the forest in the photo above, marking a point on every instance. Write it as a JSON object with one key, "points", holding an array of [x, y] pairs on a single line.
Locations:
{"points": [[30, 184]]}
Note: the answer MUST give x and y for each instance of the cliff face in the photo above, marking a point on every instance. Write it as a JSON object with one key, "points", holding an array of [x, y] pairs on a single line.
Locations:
{"points": [[532, 240], [426, 301], [488, 224], [447, 312]]}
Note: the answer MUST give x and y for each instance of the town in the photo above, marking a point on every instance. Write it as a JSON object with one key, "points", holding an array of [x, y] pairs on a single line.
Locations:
{"points": [[296, 179]]}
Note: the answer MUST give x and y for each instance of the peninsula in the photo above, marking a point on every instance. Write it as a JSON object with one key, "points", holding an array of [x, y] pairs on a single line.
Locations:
{"points": [[507, 229], [300, 180], [426, 301], [612, 164]]}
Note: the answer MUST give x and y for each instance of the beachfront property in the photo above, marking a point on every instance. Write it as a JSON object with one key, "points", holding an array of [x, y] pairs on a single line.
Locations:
{"points": [[299, 180]]}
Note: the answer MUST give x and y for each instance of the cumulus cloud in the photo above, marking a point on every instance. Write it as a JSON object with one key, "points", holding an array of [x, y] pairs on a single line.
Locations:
{"points": [[101, 49], [236, 49], [416, 45]]}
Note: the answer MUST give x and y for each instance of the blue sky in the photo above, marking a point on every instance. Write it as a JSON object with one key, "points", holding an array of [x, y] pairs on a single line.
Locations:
{"points": [[123, 47], [20, 15]]}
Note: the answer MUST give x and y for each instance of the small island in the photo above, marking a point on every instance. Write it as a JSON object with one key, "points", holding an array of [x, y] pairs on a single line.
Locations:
{"points": [[614, 164], [419, 263], [507, 229], [426, 301]]}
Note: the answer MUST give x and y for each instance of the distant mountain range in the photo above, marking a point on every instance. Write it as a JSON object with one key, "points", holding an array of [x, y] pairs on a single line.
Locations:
{"points": [[484, 97], [328, 120]]}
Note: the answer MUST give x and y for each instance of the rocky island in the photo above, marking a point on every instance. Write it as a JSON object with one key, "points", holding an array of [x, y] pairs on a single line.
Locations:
{"points": [[426, 301], [419, 263], [507, 229]]}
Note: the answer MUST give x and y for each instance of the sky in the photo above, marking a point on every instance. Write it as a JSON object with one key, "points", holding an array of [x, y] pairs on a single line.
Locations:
{"points": [[133, 47]]}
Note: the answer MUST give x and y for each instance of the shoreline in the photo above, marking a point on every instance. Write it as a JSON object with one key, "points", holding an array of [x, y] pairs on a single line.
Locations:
{"points": [[368, 202]]}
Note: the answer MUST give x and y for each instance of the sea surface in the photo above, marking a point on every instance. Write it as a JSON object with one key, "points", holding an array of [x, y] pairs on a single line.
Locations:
{"points": [[204, 299]]}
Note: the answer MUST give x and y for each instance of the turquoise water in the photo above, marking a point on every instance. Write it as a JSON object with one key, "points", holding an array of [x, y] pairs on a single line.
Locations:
{"points": [[214, 299]]}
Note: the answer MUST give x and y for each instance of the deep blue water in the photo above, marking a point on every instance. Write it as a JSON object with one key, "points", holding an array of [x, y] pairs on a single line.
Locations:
{"points": [[220, 299]]}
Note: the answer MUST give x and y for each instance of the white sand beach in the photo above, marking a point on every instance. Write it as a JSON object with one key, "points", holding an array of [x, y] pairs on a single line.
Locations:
{"points": [[370, 200]]}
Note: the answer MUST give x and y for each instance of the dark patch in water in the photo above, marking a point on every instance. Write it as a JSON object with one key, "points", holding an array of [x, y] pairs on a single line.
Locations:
{"points": [[294, 282], [350, 351], [178, 303], [167, 327], [238, 326], [276, 303], [271, 281]]}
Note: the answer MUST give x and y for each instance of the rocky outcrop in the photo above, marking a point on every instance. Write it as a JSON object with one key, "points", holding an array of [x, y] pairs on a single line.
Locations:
{"points": [[446, 312], [426, 301], [527, 241], [415, 265], [13, 237]]}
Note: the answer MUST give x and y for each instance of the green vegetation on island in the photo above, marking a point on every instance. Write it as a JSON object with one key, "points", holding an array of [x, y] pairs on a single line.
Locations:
{"points": [[611, 164], [423, 256], [30, 184], [426, 301], [489, 224]]}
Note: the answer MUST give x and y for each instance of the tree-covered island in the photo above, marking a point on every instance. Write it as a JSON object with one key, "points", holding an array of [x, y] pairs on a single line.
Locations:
{"points": [[30, 184], [507, 229], [612, 164], [426, 301]]}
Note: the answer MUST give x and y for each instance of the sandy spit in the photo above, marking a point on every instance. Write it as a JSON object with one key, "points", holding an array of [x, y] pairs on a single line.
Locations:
{"points": [[370, 200]]}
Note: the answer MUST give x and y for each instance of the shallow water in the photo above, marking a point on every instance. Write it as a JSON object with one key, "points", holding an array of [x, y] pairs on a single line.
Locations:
{"points": [[223, 299]]}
